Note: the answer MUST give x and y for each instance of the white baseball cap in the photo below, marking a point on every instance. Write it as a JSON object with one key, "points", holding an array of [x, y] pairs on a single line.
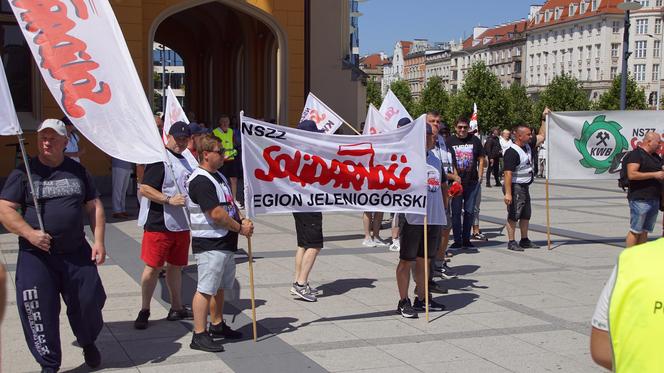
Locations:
{"points": [[54, 124]]}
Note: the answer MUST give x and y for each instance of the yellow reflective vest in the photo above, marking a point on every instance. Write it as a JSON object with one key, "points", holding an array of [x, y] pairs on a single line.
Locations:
{"points": [[226, 142], [636, 310]]}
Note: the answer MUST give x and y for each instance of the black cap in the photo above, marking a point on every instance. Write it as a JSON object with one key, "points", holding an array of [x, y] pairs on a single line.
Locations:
{"points": [[402, 122], [179, 129], [309, 125]]}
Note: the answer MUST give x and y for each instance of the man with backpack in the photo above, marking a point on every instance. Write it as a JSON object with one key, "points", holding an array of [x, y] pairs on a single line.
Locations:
{"points": [[645, 173]]}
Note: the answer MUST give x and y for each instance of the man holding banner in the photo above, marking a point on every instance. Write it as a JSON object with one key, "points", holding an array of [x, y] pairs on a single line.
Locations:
{"points": [[56, 261]]}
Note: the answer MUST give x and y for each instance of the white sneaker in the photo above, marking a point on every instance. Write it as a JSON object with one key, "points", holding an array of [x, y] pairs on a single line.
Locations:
{"points": [[395, 246], [378, 242], [368, 243]]}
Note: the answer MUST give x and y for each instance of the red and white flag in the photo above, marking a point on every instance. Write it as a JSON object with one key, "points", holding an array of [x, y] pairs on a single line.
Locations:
{"points": [[173, 113], [375, 123], [84, 60], [289, 170], [9, 125], [473, 119], [321, 114], [392, 109]]}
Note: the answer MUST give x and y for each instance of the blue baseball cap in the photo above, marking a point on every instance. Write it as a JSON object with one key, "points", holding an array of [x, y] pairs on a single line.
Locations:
{"points": [[402, 122], [179, 129], [308, 125], [197, 129]]}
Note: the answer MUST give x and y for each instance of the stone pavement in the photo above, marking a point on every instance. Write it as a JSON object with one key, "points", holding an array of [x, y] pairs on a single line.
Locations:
{"points": [[507, 312]]}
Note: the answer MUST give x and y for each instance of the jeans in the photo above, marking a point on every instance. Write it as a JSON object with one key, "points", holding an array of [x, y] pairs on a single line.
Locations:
{"points": [[464, 205]]}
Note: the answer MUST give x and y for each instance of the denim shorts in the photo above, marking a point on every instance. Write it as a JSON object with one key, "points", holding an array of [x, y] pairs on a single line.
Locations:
{"points": [[643, 215], [216, 270]]}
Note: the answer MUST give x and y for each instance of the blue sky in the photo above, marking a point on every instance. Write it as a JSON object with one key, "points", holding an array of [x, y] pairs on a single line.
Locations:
{"points": [[386, 21]]}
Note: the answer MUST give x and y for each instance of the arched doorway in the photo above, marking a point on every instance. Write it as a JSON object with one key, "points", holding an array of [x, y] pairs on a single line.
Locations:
{"points": [[234, 57]]}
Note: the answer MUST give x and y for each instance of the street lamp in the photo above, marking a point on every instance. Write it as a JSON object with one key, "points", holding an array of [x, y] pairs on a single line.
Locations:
{"points": [[627, 7]]}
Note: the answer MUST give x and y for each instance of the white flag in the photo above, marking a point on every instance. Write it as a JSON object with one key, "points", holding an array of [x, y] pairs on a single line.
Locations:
{"points": [[323, 116], [173, 112], [288, 170], [375, 123], [8, 120], [392, 109], [473, 119], [83, 58]]}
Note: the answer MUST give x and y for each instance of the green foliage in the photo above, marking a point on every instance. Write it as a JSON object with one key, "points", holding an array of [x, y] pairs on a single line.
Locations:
{"points": [[373, 93], [401, 89], [434, 97], [610, 100], [564, 93], [520, 107]]}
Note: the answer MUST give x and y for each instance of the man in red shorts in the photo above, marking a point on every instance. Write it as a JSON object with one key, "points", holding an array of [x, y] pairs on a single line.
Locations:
{"points": [[166, 230]]}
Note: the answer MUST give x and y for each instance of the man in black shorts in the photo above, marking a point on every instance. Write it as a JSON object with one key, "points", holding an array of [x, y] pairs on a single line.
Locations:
{"points": [[309, 228]]}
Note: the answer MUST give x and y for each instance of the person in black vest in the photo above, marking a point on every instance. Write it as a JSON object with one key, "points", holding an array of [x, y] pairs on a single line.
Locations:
{"points": [[519, 173], [493, 153], [57, 262]]}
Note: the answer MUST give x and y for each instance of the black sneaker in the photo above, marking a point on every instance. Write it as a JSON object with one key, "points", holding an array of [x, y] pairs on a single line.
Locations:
{"points": [[177, 315], [456, 245], [512, 245], [467, 244], [447, 273], [499, 184], [203, 342], [527, 244], [434, 287], [91, 355], [434, 306], [406, 309], [223, 330], [487, 185], [142, 319]]}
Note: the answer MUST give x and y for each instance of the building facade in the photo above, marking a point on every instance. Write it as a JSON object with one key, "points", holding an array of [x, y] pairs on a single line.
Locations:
{"points": [[646, 43], [373, 66], [438, 64], [394, 70]]}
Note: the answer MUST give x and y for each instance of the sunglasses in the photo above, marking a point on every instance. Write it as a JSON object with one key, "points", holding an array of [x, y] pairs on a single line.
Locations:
{"points": [[462, 127]]}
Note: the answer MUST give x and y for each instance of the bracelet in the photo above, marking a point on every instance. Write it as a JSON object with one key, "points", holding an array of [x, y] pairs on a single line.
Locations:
{"points": [[168, 200]]}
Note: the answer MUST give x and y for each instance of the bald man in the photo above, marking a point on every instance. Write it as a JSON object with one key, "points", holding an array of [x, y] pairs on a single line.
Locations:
{"points": [[645, 173]]}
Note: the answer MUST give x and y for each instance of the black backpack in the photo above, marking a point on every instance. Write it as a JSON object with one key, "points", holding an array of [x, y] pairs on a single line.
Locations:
{"points": [[623, 180]]}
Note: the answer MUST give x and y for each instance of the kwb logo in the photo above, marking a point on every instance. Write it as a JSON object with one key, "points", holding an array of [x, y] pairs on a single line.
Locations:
{"points": [[599, 144]]}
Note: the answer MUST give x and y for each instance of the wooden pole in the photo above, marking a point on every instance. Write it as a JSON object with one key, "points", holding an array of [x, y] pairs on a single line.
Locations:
{"points": [[353, 128], [426, 271], [251, 287]]}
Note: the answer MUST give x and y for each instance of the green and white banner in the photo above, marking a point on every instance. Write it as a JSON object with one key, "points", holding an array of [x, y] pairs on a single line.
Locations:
{"points": [[590, 145]]}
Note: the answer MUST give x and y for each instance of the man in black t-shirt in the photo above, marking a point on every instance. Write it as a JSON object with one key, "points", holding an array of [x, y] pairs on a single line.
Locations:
{"points": [[645, 173], [469, 154], [215, 225], [58, 261]]}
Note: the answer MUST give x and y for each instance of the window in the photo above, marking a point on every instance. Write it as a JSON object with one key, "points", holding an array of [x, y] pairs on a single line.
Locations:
{"points": [[614, 49], [598, 29], [589, 51], [589, 30], [656, 49], [642, 26], [517, 51], [614, 72], [615, 27], [594, 5], [658, 3], [655, 72], [598, 50], [572, 9], [640, 49], [644, 3], [598, 76], [640, 72], [658, 26]]}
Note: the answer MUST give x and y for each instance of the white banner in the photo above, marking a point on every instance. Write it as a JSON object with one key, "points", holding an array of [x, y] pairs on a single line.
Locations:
{"points": [[321, 114], [8, 120], [590, 145], [289, 170], [173, 113], [83, 58], [375, 123], [473, 120]]}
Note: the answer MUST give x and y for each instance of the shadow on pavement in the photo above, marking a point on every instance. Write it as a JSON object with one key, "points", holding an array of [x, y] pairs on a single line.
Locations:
{"points": [[342, 286]]}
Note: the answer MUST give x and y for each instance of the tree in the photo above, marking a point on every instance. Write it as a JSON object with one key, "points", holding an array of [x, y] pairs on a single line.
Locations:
{"points": [[482, 87], [401, 89], [434, 97], [520, 107], [564, 93], [610, 100], [373, 93]]}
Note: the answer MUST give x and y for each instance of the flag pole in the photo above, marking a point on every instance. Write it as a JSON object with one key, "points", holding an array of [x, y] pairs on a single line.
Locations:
{"points": [[328, 108], [21, 142], [426, 271], [351, 127], [546, 185], [251, 287]]}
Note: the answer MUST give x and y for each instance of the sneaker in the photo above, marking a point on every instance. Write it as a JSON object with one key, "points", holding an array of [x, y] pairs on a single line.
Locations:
{"points": [[527, 244], [406, 309], [488, 185], [302, 292], [437, 288], [368, 243], [499, 184], [467, 244], [203, 342], [177, 315], [479, 236], [239, 205], [456, 245], [223, 330], [311, 290], [512, 245], [396, 245], [91, 355], [141, 321], [434, 306], [378, 242], [447, 273]]}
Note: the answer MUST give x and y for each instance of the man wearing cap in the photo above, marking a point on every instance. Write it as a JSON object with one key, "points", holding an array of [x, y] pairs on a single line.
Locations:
{"points": [[165, 223], [57, 262], [197, 131], [309, 231], [231, 168]]}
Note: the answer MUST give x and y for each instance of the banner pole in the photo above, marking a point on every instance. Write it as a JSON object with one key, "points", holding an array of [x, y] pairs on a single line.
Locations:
{"points": [[251, 287], [426, 271], [546, 185], [351, 127], [32, 187]]}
